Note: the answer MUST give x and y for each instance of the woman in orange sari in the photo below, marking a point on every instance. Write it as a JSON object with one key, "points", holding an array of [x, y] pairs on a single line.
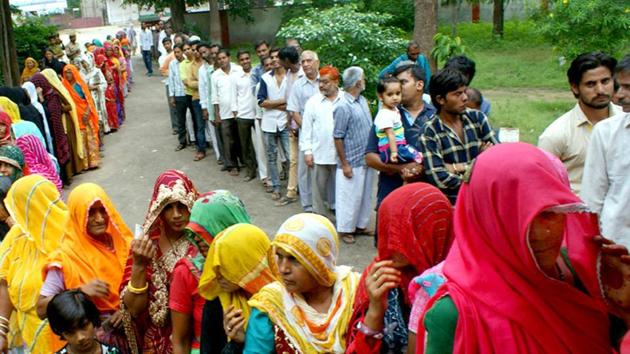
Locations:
{"points": [[86, 112], [91, 258]]}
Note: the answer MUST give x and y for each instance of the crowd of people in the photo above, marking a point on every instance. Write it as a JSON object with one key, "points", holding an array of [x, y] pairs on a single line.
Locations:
{"points": [[482, 247]]}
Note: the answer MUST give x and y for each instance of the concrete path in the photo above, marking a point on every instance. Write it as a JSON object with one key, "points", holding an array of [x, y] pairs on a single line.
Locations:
{"points": [[144, 147]]}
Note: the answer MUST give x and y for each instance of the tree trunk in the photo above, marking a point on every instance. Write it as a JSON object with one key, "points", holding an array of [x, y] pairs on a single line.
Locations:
{"points": [[475, 12], [215, 23], [8, 55], [425, 26], [497, 18], [178, 9]]}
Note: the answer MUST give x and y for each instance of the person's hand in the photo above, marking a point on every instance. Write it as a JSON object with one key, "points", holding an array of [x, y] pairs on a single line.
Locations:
{"points": [[411, 171], [486, 146], [85, 117], [172, 101], [115, 320], [308, 159], [233, 324], [611, 249], [216, 122], [95, 288], [143, 251], [205, 113], [4, 344], [347, 170], [394, 157], [379, 281]]}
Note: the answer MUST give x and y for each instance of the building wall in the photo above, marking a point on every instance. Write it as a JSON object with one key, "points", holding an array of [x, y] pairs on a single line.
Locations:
{"points": [[514, 10], [117, 14]]}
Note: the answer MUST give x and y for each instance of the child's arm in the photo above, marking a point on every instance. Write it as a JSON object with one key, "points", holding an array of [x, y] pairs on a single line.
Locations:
{"points": [[393, 148]]}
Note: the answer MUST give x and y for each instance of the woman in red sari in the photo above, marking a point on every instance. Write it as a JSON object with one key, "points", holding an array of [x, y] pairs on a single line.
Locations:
{"points": [[512, 287], [114, 65], [411, 239], [110, 93], [148, 274]]}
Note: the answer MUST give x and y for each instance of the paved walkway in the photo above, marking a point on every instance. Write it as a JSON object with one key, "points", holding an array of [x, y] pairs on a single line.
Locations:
{"points": [[144, 147]]}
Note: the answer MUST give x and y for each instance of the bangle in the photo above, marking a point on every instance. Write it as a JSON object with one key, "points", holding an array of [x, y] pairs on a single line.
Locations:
{"points": [[361, 327], [2, 318], [138, 291]]}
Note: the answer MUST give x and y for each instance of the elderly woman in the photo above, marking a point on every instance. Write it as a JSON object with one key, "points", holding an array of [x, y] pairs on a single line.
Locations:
{"points": [[40, 216], [308, 311], [150, 266], [211, 214], [86, 112], [91, 258], [411, 239], [512, 286]]}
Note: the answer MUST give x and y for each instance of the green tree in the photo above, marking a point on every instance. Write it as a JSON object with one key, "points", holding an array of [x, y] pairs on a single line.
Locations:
{"points": [[177, 7], [342, 36], [31, 38], [578, 26]]}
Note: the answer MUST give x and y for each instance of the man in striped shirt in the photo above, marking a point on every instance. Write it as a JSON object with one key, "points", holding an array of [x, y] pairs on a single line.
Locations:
{"points": [[455, 135]]}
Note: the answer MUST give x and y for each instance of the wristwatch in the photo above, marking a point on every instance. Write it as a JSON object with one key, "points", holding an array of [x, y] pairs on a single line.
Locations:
{"points": [[368, 331]]}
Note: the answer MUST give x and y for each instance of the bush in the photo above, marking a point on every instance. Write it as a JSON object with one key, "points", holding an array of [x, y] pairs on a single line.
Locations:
{"points": [[447, 47], [342, 36], [402, 12], [578, 26], [31, 38]]}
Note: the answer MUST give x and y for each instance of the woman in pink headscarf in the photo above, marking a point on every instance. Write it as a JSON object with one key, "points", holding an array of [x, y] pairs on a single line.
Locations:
{"points": [[37, 159], [512, 287]]}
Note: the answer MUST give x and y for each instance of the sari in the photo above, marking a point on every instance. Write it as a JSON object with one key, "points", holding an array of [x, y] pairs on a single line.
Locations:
{"points": [[37, 159], [55, 118], [150, 332], [32, 93], [95, 80], [114, 65], [505, 302], [13, 156], [211, 214], [27, 111], [422, 233], [110, 92], [297, 327], [40, 216], [26, 72], [71, 124], [11, 108], [84, 104], [82, 259], [6, 121]]}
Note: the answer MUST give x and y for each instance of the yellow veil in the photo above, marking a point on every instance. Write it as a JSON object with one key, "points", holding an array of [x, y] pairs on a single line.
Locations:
{"points": [[11, 108]]}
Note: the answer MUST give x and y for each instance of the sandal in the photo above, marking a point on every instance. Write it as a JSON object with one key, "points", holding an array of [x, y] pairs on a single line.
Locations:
{"points": [[347, 238], [199, 156], [364, 232], [269, 188], [275, 196], [234, 172]]}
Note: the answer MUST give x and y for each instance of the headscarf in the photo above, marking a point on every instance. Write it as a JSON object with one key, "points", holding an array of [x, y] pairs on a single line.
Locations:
{"points": [[97, 43], [26, 110], [242, 254], [505, 302], [24, 127], [27, 73], [40, 216], [421, 232], [11, 108], [212, 213], [81, 104], [32, 93], [6, 120], [54, 81], [12, 155], [15, 94], [313, 241], [82, 258], [37, 159]]}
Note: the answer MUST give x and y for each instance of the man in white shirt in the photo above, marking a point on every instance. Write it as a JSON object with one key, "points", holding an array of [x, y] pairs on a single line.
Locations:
{"points": [[146, 43], [590, 76], [606, 183], [272, 97], [205, 95], [225, 107], [316, 136], [246, 116], [177, 95], [303, 89]]}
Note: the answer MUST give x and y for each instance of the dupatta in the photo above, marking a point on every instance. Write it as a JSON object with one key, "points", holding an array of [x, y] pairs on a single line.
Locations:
{"points": [[27, 73], [11, 108], [40, 216], [82, 258], [505, 302], [37, 159]]}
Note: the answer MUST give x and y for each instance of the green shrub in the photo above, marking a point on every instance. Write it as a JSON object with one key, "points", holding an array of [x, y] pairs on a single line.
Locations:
{"points": [[31, 38], [447, 47], [578, 26], [402, 12], [342, 36]]}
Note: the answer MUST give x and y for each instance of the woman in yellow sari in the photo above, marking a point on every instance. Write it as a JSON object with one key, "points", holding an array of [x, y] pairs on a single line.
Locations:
{"points": [[86, 112], [70, 123], [40, 216], [237, 267], [30, 68], [308, 311]]}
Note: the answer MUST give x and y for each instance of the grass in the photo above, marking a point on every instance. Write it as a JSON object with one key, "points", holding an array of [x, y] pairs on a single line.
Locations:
{"points": [[520, 75]]}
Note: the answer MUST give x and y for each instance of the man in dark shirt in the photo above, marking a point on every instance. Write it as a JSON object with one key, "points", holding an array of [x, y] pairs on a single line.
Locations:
{"points": [[414, 113]]}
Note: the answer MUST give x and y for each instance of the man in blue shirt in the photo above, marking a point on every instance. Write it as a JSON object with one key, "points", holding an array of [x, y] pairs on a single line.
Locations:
{"points": [[413, 54], [414, 113]]}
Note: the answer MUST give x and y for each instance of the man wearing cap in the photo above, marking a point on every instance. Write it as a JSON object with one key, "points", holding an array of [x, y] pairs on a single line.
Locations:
{"points": [[73, 49]]}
